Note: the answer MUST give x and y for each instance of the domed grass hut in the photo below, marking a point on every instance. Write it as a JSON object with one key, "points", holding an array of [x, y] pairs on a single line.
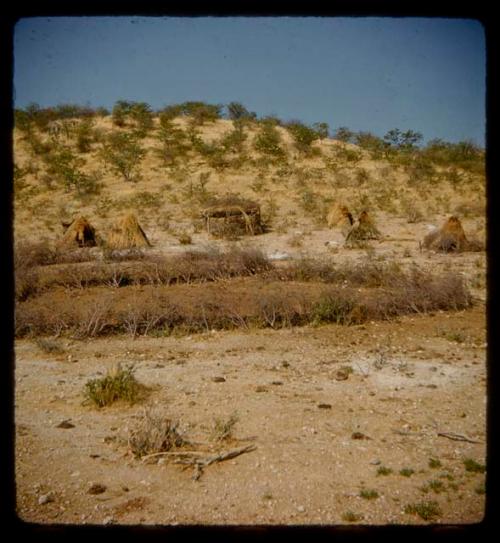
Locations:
{"points": [[364, 230], [450, 238], [127, 233], [232, 216], [78, 233]]}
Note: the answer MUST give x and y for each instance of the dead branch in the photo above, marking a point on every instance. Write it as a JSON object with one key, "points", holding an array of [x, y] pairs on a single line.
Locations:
{"points": [[457, 437]]}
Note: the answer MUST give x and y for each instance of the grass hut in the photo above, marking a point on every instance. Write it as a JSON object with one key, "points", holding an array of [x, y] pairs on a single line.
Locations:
{"points": [[79, 233], [127, 234], [232, 216], [339, 215], [364, 230], [449, 238]]}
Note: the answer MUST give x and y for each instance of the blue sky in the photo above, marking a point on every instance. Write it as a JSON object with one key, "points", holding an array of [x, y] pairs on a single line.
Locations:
{"points": [[366, 73]]}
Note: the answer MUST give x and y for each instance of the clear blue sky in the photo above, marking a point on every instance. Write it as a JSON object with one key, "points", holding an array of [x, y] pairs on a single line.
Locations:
{"points": [[371, 74]]}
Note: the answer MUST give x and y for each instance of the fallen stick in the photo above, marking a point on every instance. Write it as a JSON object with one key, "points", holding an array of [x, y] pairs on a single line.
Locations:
{"points": [[176, 453], [227, 455], [200, 463], [457, 437]]}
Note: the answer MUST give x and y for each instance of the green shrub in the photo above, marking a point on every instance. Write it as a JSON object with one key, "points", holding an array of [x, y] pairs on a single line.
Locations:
{"points": [[268, 141], [237, 112], [119, 384], [123, 154], [369, 494], [333, 307], [84, 135], [425, 510], [473, 467], [303, 136]]}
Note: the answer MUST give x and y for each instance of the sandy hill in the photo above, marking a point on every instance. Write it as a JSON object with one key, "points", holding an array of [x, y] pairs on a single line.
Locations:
{"points": [[55, 180]]}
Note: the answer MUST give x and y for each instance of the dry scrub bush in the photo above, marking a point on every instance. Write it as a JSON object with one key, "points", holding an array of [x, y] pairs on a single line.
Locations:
{"points": [[154, 433], [381, 294]]}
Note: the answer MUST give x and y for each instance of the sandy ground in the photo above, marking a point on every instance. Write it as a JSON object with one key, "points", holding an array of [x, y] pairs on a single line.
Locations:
{"points": [[416, 392]]}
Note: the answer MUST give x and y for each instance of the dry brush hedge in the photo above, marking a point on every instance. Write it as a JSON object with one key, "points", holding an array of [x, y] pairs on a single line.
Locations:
{"points": [[240, 303]]}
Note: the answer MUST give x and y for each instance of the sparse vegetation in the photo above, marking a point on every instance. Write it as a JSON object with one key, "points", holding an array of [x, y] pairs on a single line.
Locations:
{"points": [[49, 346], [425, 510], [406, 472], [223, 428], [118, 384], [472, 466], [369, 494], [434, 463], [383, 470], [350, 516], [154, 433], [123, 154]]}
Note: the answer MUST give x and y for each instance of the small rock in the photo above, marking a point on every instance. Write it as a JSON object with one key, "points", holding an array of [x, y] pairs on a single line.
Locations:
{"points": [[375, 462], [359, 435], [46, 498], [108, 520], [301, 508], [96, 488], [341, 375], [65, 424], [218, 379], [260, 388]]}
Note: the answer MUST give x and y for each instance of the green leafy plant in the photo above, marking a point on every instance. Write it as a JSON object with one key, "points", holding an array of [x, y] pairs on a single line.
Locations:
{"points": [[119, 384], [123, 154]]}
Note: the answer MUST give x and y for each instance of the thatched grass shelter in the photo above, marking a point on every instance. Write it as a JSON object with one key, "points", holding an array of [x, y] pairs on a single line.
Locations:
{"points": [[450, 238], [79, 233], [339, 215], [232, 215], [365, 229], [127, 233]]}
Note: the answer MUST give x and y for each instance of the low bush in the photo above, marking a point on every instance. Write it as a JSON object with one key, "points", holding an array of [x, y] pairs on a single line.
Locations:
{"points": [[154, 433], [119, 384]]}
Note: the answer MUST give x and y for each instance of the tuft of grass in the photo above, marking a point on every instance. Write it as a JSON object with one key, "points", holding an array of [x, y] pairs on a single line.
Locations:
{"points": [[154, 433], [473, 467], [434, 463], [223, 428], [425, 510], [49, 346], [118, 384], [383, 470], [406, 472], [480, 489], [350, 516], [436, 486], [369, 494]]}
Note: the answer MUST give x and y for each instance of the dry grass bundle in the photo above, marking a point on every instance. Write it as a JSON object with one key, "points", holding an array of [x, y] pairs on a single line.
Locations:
{"points": [[127, 234], [450, 238], [231, 216], [80, 232], [364, 230]]}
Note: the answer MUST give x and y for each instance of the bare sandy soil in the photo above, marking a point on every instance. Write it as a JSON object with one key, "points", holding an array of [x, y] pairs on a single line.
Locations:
{"points": [[364, 424], [413, 397]]}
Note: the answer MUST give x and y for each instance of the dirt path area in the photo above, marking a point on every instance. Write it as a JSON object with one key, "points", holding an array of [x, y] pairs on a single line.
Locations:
{"points": [[367, 424]]}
